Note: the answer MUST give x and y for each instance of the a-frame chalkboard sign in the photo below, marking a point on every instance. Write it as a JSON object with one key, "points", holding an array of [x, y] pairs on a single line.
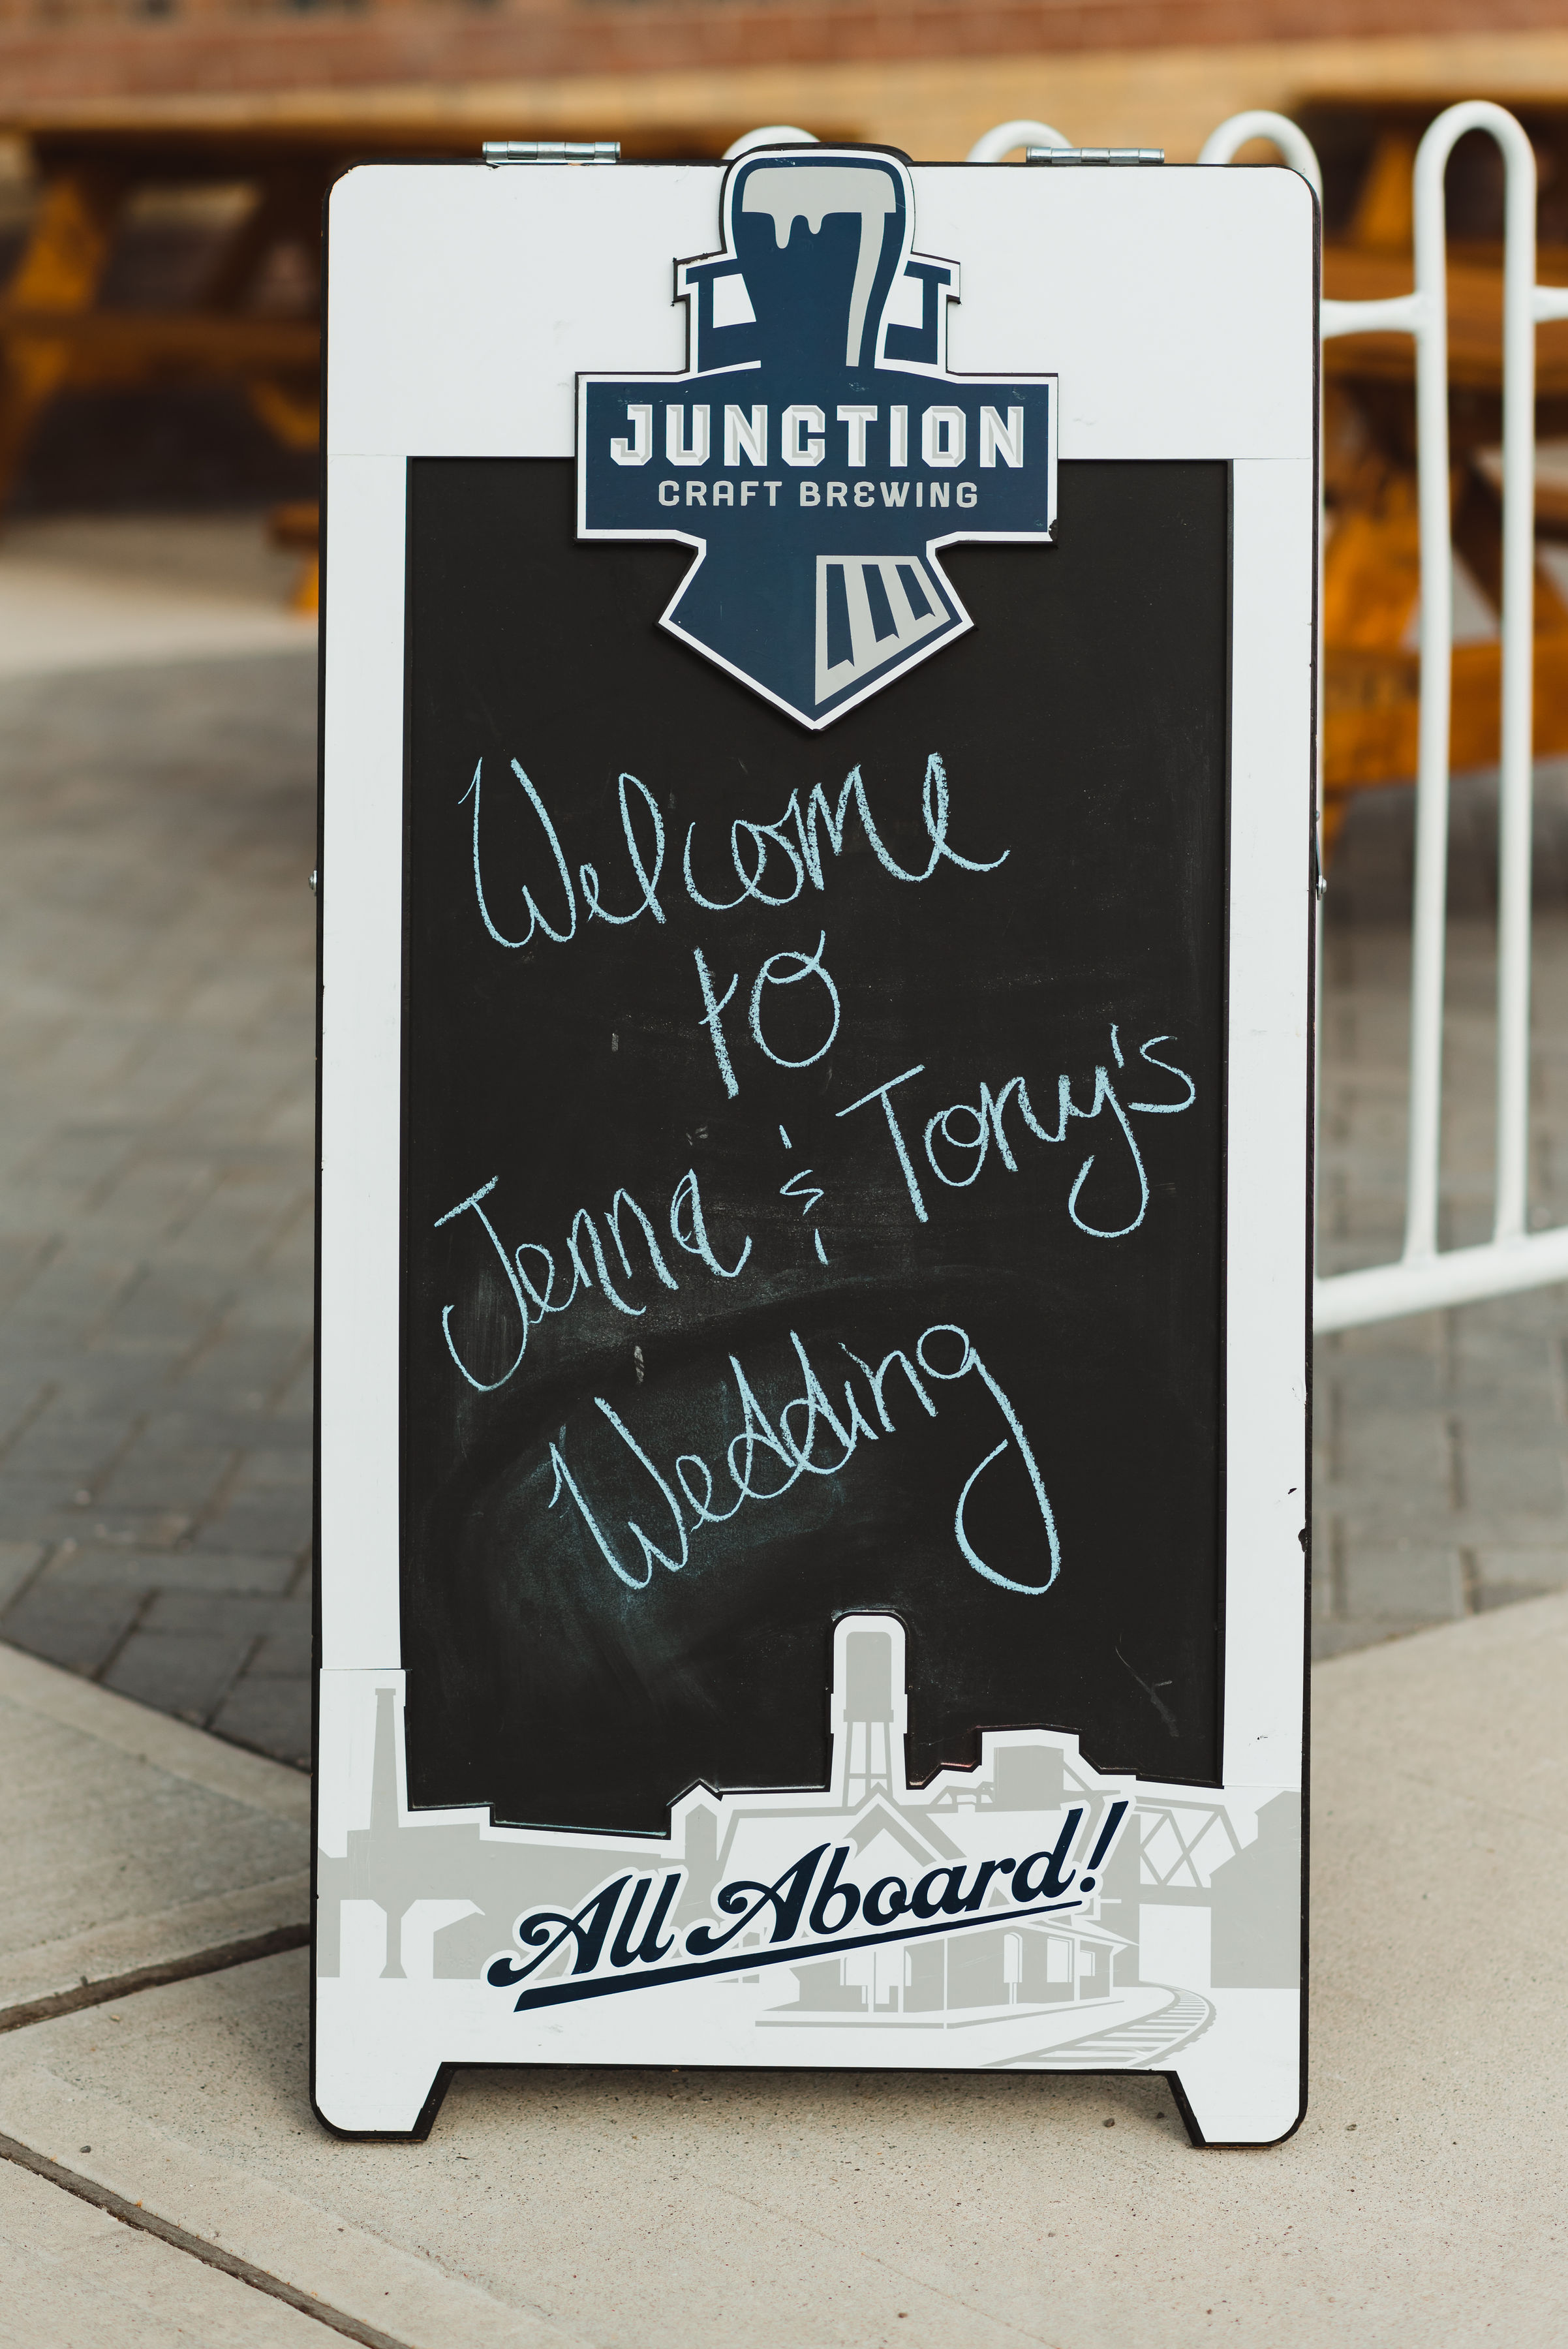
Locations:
{"points": [[816, 893]]}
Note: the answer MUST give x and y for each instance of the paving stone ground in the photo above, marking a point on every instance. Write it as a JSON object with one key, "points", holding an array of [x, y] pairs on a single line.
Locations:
{"points": [[1441, 1486], [157, 827]]}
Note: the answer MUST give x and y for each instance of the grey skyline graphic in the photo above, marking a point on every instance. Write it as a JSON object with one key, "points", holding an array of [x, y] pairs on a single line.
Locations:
{"points": [[1198, 1892]]}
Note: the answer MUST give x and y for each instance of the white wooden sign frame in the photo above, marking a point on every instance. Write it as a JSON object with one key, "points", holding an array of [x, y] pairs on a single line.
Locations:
{"points": [[1178, 308]]}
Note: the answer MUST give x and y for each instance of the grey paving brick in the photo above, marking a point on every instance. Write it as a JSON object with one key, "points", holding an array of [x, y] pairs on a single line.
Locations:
{"points": [[1507, 1594], [272, 1714], [284, 1652], [1540, 1569], [1502, 1475], [1392, 1381], [139, 1529], [150, 1471], [244, 1370], [156, 1114], [298, 1398], [1396, 1460], [160, 1319], [1340, 1639], [19, 1562], [262, 1521], [1416, 1585], [187, 1672], [69, 1297], [22, 1256], [38, 1507], [1507, 1529], [251, 1616], [1386, 1516], [71, 1453], [80, 1629], [124, 1568]]}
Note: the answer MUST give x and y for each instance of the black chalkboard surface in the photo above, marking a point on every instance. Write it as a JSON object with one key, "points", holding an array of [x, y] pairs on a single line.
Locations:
{"points": [[813, 1182]]}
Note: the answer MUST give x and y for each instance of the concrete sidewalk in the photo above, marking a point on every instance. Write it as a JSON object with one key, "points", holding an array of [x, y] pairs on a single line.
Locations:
{"points": [[1421, 2202], [80, 593], [148, 1846]]}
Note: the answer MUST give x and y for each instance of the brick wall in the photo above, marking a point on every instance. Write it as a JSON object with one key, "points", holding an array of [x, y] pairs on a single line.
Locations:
{"points": [[59, 51]]}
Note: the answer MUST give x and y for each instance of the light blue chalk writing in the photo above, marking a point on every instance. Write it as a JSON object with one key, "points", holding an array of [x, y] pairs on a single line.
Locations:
{"points": [[535, 918], [881, 1092], [771, 867], [564, 1476], [485, 1386], [1164, 1108], [648, 881], [790, 1190], [759, 835], [712, 1020], [622, 1200], [980, 1142], [1105, 1092], [971, 1360], [653, 1555], [958, 1140], [879, 1375], [688, 1229], [694, 1238], [769, 1454], [934, 804], [775, 973]]}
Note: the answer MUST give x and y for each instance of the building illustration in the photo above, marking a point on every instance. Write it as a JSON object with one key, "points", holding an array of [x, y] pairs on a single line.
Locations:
{"points": [[1130, 1965]]}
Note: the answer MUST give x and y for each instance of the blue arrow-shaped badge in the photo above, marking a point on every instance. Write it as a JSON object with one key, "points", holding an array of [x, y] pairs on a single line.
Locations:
{"points": [[818, 452]]}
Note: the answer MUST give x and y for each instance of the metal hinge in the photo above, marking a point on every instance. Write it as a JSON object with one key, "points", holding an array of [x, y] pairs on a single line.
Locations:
{"points": [[1095, 155], [552, 150]]}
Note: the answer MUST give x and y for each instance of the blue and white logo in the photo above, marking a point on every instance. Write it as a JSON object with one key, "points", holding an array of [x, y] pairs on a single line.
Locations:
{"points": [[818, 452]]}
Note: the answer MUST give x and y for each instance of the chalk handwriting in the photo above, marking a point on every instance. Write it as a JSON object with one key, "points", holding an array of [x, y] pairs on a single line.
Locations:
{"points": [[957, 1141], [752, 846], [530, 1269], [956, 1144], [772, 862], [785, 969], [770, 1453], [792, 1190], [809, 1199], [714, 1020]]}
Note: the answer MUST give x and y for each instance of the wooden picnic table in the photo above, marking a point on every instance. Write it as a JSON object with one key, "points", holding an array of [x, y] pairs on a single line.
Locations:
{"points": [[1475, 318], [57, 334]]}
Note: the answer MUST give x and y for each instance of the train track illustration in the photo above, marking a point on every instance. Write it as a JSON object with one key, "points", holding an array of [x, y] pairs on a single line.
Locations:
{"points": [[1139, 2046]]}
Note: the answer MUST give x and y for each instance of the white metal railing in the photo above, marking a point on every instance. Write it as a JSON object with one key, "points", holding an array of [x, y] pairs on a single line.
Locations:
{"points": [[1426, 1276], [1223, 145], [995, 146]]}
